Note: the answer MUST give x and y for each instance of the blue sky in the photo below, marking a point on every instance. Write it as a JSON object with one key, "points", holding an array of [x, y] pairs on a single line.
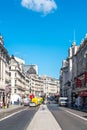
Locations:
{"points": [[40, 32]]}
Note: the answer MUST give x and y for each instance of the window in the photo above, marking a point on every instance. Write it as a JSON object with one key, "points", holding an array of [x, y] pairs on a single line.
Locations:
{"points": [[15, 82], [9, 73], [15, 74], [10, 68], [15, 91]]}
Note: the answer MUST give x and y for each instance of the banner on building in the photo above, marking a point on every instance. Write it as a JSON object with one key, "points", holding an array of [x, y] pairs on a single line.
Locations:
{"points": [[85, 77], [84, 93], [78, 82]]}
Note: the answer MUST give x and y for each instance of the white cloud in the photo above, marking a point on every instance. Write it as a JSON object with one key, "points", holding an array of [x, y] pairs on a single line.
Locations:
{"points": [[44, 6]]}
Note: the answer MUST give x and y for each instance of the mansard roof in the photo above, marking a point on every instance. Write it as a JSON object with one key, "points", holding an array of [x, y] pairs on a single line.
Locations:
{"points": [[31, 70]]}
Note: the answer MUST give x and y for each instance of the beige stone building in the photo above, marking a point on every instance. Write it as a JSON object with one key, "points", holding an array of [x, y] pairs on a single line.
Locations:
{"points": [[51, 86], [36, 85], [16, 78], [19, 81], [4, 73], [35, 82], [41, 85]]}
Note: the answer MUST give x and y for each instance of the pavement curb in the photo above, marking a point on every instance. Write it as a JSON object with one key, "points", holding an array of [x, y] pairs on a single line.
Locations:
{"points": [[10, 108]]}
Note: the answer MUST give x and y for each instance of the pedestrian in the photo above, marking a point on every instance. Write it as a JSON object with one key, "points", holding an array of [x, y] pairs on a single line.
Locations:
{"points": [[76, 103]]}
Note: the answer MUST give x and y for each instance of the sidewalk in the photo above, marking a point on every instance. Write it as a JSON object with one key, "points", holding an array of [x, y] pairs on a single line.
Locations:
{"points": [[82, 110], [43, 120], [11, 107]]}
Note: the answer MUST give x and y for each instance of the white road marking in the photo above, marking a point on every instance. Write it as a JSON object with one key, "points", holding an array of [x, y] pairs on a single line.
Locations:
{"points": [[76, 115], [12, 114]]}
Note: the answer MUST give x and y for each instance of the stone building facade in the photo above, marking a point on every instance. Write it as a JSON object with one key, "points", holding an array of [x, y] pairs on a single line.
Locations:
{"points": [[19, 82], [79, 87], [5, 89], [51, 86], [16, 78], [73, 75], [40, 85]]}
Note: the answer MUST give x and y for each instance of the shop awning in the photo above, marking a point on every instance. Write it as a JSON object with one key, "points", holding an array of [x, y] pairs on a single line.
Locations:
{"points": [[84, 93]]}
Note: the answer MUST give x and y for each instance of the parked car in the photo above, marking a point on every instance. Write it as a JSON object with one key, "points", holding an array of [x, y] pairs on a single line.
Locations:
{"points": [[26, 101]]}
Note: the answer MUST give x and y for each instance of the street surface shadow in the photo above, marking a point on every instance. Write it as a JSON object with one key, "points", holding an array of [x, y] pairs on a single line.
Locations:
{"points": [[85, 116], [54, 107]]}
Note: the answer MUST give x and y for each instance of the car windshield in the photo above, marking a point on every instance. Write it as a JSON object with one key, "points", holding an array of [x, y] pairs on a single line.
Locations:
{"points": [[63, 100]]}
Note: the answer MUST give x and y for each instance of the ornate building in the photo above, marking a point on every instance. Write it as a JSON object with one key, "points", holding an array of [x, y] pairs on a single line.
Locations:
{"points": [[4, 73], [30, 69], [35, 82], [73, 77], [80, 78], [19, 81], [51, 86]]}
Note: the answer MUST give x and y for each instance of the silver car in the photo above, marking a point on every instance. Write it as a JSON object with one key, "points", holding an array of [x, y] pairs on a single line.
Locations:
{"points": [[26, 101], [32, 104]]}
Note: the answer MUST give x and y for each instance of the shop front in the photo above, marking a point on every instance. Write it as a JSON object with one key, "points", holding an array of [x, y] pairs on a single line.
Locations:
{"points": [[83, 96], [80, 89]]}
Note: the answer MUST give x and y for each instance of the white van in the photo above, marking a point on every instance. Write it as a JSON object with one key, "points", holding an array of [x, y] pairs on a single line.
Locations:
{"points": [[63, 101]]}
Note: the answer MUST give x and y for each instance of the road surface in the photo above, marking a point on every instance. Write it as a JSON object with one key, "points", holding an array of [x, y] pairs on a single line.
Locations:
{"points": [[18, 121], [69, 119]]}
